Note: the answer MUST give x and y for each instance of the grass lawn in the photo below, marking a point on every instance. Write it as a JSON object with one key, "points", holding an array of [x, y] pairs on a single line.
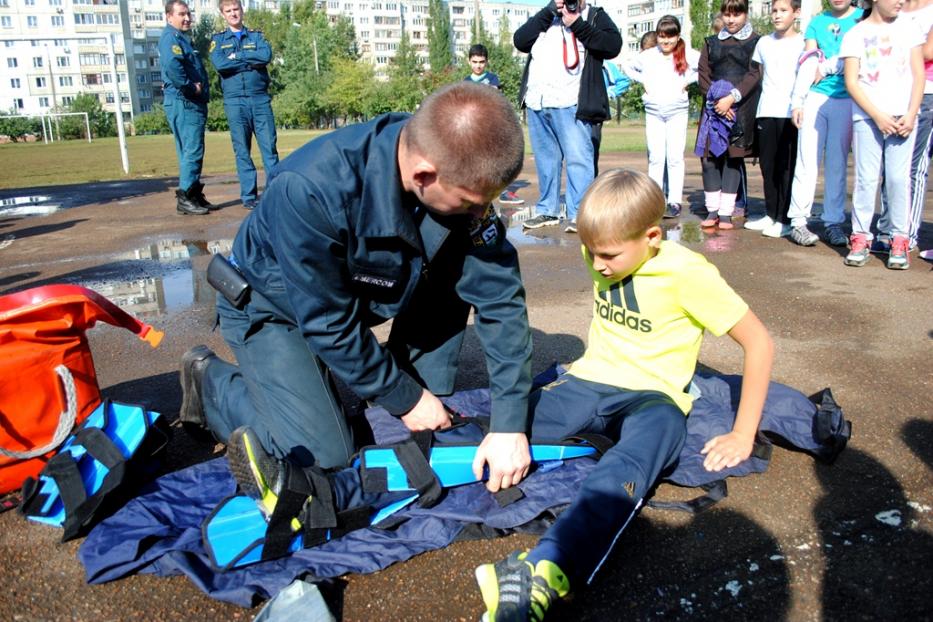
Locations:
{"points": [[76, 161]]}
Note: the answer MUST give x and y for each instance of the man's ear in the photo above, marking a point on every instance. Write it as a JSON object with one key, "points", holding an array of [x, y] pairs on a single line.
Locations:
{"points": [[654, 235], [424, 172]]}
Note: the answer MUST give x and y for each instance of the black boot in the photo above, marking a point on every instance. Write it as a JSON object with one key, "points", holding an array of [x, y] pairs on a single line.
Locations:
{"points": [[187, 206], [197, 188]]}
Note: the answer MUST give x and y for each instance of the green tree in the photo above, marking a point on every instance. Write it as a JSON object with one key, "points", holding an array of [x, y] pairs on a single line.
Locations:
{"points": [[700, 18], [504, 63], [439, 56], [19, 128], [351, 92], [274, 27], [201, 40], [102, 122], [405, 77], [153, 122]]}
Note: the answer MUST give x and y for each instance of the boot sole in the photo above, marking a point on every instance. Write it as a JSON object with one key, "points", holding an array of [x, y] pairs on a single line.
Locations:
{"points": [[192, 409]]}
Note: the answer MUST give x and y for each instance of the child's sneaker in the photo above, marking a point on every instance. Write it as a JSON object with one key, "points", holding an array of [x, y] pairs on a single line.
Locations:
{"points": [[514, 590], [835, 236], [803, 236], [672, 210], [899, 259], [759, 224], [776, 230], [858, 250], [510, 198], [712, 219], [725, 222], [541, 221], [571, 227], [257, 474]]}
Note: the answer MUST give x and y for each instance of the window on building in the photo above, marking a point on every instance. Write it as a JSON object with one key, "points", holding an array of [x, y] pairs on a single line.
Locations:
{"points": [[14, 83], [141, 78], [9, 44], [29, 2], [18, 103], [11, 63], [6, 21], [138, 48], [65, 81], [62, 61], [37, 61], [5, 4], [43, 102], [145, 93], [67, 100], [41, 83], [121, 59], [55, 2], [108, 18], [58, 21], [32, 21], [84, 19], [91, 79], [155, 76]]}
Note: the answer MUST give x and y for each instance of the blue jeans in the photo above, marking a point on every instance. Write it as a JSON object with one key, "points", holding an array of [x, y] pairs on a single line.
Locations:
{"points": [[648, 430], [187, 120], [248, 116], [557, 136]]}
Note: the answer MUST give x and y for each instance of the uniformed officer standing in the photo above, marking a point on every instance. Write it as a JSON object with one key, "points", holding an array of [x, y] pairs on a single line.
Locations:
{"points": [[185, 89], [389, 219], [240, 56]]}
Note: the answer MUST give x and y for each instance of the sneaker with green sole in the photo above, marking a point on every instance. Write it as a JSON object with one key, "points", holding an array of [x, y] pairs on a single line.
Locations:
{"points": [[858, 250], [258, 474], [514, 590], [899, 259]]}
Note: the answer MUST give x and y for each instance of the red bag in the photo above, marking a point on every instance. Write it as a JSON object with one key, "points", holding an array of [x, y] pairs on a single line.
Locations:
{"points": [[47, 378]]}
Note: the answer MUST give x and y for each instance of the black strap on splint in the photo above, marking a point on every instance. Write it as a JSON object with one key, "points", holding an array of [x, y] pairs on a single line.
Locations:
{"points": [[319, 519]]}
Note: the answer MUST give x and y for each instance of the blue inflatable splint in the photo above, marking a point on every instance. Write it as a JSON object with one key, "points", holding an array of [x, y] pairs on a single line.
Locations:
{"points": [[90, 467], [160, 531]]}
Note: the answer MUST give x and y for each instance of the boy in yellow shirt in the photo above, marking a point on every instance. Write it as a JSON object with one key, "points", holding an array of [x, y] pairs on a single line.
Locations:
{"points": [[653, 299]]}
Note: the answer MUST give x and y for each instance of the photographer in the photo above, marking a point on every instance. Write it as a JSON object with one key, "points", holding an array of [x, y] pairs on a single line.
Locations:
{"points": [[563, 90]]}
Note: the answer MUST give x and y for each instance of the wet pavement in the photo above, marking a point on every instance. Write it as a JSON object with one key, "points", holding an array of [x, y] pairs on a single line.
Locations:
{"points": [[801, 541]]}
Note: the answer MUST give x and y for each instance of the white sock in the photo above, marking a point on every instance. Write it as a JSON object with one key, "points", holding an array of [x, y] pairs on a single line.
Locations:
{"points": [[726, 203], [712, 201]]}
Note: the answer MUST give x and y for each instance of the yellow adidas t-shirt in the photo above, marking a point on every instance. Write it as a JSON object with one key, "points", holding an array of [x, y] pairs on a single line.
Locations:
{"points": [[647, 328]]}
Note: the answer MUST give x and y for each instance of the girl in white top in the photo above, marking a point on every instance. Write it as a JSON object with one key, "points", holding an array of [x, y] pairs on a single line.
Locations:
{"points": [[665, 71], [884, 75]]}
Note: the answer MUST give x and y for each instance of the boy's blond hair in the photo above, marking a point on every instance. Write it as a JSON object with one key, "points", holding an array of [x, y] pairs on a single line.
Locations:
{"points": [[620, 205], [222, 3]]}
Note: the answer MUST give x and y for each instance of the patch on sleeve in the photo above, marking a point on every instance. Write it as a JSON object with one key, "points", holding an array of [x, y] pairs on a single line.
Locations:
{"points": [[484, 231], [213, 45], [176, 49]]}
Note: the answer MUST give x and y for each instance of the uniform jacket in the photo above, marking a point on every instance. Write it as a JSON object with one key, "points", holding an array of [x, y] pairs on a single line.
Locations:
{"points": [[245, 74], [337, 246], [602, 40], [181, 68]]}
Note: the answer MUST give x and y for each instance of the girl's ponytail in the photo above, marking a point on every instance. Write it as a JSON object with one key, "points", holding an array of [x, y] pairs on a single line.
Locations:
{"points": [[680, 57]]}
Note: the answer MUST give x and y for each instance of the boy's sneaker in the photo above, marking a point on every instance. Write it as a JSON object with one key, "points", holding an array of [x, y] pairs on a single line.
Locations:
{"points": [[835, 235], [803, 236], [881, 244], [257, 474], [858, 250], [673, 210], [541, 221], [571, 227], [513, 589], [776, 230], [899, 259], [510, 198], [759, 224]]}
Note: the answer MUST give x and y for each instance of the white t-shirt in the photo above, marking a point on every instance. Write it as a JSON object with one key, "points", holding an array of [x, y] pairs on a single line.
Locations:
{"points": [[883, 51], [778, 60], [551, 83], [924, 19], [665, 89]]}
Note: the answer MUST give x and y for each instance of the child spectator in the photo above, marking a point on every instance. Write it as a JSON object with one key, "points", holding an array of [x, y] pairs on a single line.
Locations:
{"points": [[665, 71], [920, 11], [884, 74], [777, 54], [730, 82], [616, 83], [822, 113], [629, 385], [648, 40], [479, 73]]}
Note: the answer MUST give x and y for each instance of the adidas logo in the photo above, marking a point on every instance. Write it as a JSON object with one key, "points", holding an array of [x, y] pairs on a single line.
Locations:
{"points": [[620, 316]]}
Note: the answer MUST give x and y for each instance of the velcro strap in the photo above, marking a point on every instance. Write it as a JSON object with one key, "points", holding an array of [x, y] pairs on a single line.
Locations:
{"points": [[715, 492], [102, 449], [291, 500], [506, 496], [600, 443], [413, 456]]}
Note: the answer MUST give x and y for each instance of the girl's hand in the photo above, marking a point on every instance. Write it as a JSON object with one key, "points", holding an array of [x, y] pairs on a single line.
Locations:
{"points": [[723, 106], [796, 115], [886, 124], [905, 125]]}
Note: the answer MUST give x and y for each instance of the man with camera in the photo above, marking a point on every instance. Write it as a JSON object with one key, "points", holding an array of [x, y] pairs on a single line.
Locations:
{"points": [[563, 91]]}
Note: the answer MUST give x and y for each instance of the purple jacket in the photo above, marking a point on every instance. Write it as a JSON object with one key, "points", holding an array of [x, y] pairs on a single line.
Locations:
{"points": [[714, 129]]}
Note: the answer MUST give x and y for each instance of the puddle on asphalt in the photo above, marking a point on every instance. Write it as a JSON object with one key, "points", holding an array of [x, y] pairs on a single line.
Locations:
{"points": [[36, 205], [158, 279]]}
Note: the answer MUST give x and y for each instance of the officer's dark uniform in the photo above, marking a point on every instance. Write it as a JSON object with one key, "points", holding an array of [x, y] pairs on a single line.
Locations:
{"points": [[335, 247], [185, 108], [241, 59]]}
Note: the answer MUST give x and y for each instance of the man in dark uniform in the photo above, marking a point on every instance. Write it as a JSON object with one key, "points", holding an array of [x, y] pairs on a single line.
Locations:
{"points": [[185, 88], [389, 219], [240, 56]]}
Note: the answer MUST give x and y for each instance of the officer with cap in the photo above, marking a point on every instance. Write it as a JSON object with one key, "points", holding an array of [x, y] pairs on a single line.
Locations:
{"points": [[185, 89], [240, 56]]}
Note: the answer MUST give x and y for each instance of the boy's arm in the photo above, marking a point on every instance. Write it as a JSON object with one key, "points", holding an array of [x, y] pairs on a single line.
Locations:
{"points": [[727, 450]]}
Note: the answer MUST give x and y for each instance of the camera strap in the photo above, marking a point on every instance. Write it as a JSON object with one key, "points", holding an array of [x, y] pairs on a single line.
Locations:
{"points": [[576, 51]]}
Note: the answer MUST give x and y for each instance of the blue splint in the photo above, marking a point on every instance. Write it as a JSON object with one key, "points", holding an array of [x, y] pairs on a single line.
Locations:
{"points": [[88, 466], [235, 532]]}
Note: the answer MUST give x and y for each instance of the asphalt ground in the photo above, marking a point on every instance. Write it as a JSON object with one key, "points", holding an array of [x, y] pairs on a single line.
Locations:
{"points": [[803, 541]]}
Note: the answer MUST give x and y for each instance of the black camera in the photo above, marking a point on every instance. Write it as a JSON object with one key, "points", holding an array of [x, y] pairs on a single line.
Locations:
{"points": [[572, 5]]}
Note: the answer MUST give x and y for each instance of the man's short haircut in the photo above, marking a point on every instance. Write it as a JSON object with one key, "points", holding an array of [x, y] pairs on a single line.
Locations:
{"points": [[620, 205], [170, 6], [471, 134], [478, 49], [736, 7], [794, 4], [222, 3]]}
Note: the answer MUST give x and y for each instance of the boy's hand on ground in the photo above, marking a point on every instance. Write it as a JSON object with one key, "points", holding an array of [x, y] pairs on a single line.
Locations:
{"points": [[428, 414], [508, 458], [726, 451]]}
